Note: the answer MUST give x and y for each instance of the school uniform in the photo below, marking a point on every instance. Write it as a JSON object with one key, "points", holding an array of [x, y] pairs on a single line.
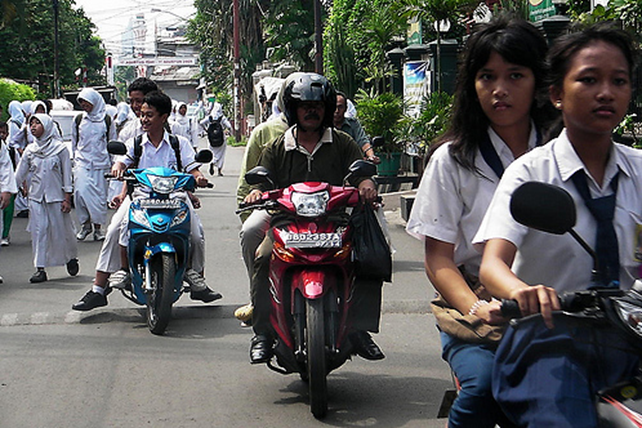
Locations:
{"points": [[559, 369], [218, 153], [91, 160], [450, 204], [48, 166]]}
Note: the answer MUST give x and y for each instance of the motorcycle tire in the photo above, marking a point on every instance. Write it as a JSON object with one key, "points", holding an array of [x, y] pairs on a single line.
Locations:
{"points": [[159, 302], [316, 356]]}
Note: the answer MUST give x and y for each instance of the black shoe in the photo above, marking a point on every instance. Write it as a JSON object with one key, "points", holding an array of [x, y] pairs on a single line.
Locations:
{"points": [[365, 347], [23, 214], [261, 349], [39, 276], [211, 169], [91, 300], [73, 267], [207, 295]]}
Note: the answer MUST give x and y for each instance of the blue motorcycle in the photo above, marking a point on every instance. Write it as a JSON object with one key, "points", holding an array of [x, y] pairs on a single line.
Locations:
{"points": [[159, 243]]}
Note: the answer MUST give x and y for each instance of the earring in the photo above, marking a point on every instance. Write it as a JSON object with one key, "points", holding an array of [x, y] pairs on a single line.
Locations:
{"points": [[558, 105]]}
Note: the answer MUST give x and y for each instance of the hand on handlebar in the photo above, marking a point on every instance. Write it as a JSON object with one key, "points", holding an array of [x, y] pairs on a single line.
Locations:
{"points": [[118, 170], [201, 181], [368, 191], [537, 299], [253, 197]]}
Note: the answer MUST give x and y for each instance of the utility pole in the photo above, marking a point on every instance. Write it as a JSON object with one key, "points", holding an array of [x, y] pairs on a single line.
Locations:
{"points": [[318, 38], [56, 59], [237, 72]]}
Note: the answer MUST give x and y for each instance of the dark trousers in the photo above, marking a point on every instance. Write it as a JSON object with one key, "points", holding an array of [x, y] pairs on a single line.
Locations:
{"points": [[549, 378], [366, 308]]}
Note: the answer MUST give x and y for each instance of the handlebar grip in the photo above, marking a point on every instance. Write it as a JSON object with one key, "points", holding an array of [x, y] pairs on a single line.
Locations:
{"points": [[210, 186], [510, 309]]}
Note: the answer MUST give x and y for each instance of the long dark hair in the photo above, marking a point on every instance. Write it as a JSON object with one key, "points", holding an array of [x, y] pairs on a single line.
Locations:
{"points": [[518, 42]]}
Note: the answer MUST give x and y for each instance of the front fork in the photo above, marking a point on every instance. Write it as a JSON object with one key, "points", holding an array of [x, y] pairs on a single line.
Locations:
{"points": [[332, 315]]}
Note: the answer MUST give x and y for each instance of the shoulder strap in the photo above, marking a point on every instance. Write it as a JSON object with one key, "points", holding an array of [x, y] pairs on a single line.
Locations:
{"points": [[490, 155], [107, 126], [138, 150], [77, 120], [176, 145]]}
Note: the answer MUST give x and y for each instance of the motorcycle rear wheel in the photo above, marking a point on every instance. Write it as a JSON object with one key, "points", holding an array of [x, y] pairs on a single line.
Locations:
{"points": [[316, 356], [159, 302]]}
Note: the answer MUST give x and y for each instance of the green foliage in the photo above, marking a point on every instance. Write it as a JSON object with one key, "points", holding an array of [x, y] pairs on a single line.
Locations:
{"points": [[431, 123], [629, 127], [231, 141], [380, 115], [27, 48], [289, 30], [10, 91]]}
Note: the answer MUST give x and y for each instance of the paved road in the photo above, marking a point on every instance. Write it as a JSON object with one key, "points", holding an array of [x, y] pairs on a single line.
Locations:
{"points": [[60, 368]]}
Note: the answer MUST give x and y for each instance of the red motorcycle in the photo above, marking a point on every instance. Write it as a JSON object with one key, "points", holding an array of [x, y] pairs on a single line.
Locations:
{"points": [[311, 276]]}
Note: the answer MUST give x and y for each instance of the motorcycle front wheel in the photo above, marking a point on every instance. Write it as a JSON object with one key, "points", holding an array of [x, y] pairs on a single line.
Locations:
{"points": [[159, 302], [316, 356]]}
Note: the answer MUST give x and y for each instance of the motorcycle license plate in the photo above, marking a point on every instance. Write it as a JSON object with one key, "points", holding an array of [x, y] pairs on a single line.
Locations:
{"points": [[160, 204], [312, 240]]}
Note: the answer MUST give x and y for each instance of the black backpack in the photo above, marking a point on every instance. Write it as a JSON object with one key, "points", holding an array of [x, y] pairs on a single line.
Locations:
{"points": [[215, 133], [173, 141]]}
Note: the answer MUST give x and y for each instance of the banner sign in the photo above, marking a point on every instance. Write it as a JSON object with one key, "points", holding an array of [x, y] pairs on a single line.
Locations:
{"points": [[540, 9], [416, 85], [170, 60]]}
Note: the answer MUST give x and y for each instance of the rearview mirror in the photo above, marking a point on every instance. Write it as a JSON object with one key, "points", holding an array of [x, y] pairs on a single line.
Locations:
{"points": [[258, 175], [204, 156], [362, 168], [116, 148], [543, 207]]}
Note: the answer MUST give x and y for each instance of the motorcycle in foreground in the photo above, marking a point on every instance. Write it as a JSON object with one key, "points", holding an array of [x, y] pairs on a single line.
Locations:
{"points": [[551, 209], [159, 243], [311, 276]]}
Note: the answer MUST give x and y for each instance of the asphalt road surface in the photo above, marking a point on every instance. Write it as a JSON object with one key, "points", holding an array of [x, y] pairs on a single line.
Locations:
{"points": [[103, 368]]}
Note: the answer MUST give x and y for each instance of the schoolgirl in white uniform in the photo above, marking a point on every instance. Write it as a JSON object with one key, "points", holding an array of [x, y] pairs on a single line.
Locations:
{"points": [[48, 165]]}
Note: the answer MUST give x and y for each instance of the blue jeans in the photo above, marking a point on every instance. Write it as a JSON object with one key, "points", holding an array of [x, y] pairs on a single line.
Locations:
{"points": [[472, 363], [548, 378]]}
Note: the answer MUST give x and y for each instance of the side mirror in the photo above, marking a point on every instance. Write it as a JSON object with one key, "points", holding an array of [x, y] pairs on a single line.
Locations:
{"points": [[377, 141], [204, 156], [258, 175], [362, 168], [543, 207], [116, 148]]}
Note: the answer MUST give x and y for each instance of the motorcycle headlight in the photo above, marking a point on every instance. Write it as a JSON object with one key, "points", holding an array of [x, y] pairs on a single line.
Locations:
{"points": [[631, 315], [163, 185], [310, 204], [139, 217], [180, 217]]}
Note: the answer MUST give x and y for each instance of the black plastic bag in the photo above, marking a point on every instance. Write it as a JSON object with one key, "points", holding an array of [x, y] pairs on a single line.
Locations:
{"points": [[372, 256]]}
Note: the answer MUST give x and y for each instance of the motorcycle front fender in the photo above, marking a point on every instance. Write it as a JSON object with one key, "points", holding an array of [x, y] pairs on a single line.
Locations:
{"points": [[313, 284], [163, 247]]}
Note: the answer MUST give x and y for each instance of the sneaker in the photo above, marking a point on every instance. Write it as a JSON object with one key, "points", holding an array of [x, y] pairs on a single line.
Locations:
{"points": [[23, 214], [4, 242], [73, 267], [120, 279], [84, 232], [198, 287], [99, 235], [244, 314], [91, 300], [39, 276]]}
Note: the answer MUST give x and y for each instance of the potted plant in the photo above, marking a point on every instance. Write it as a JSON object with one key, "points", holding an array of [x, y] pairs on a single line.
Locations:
{"points": [[380, 115]]}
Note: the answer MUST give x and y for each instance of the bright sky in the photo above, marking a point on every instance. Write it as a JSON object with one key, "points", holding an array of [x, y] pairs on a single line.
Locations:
{"points": [[113, 16]]}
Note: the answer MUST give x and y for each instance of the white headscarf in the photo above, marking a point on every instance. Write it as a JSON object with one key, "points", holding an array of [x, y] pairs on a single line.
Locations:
{"points": [[180, 118], [124, 111], [16, 113], [35, 105], [46, 145], [216, 111], [26, 107], [97, 114]]}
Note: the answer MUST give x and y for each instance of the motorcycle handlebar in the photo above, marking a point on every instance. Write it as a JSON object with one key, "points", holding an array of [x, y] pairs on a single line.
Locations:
{"points": [[569, 302]]}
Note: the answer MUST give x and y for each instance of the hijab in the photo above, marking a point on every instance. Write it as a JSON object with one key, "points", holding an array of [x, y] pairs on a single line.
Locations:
{"points": [[181, 118], [124, 111], [36, 104], [97, 113], [26, 107], [16, 113], [46, 145]]}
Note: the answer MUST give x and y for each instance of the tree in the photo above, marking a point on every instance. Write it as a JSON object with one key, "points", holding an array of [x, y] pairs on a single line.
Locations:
{"points": [[27, 48]]}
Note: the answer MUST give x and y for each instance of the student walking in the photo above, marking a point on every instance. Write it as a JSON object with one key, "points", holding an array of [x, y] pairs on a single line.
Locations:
{"points": [[48, 165], [89, 137]]}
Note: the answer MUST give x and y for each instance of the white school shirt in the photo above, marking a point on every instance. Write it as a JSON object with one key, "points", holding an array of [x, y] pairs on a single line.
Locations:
{"points": [[559, 261], [161, 156], [7, 177], [49, 178], [451, 200], [90, 147]]}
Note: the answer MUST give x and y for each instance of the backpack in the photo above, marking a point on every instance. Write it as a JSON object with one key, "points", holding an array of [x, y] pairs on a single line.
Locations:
{"points": [[215, 133], [78, 119], [173, 141]]}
